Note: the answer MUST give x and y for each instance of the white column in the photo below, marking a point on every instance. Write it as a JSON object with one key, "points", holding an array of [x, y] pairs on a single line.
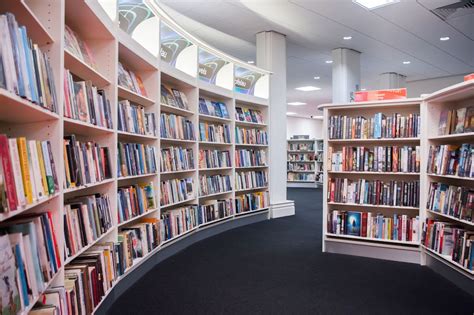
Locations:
{"points": [[345, 74], [392, 80], [271, 55]]}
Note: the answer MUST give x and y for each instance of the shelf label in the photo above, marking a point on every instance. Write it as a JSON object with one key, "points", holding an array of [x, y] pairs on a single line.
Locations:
{"points": [[177, 50], [215, 70], [251, 82], [469, 77]]}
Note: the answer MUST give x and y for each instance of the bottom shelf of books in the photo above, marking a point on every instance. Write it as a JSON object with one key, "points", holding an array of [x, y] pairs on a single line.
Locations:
{"points": [[97, 261]]}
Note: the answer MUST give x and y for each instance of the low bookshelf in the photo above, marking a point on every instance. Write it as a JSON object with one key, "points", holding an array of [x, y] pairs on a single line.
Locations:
{"points": [[372, 179], [304, 162]]}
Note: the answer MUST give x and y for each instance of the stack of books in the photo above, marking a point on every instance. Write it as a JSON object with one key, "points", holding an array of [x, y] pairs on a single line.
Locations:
{"points": [[251, 202], [454, 201], [213, 184], [174, 159], [251, 179], [176, 190], [135, 200], [176, 127], [453, 121], [85, 102], [54, 302], [136, 159], [27, 173], [250, 136], [376, 226], [212, 108], [214, 159], [214, 133], [179, 221], [85, 162], [213, 210], [249, 158], [130, 80], [25, 68], [452, 159], [248, 115], [377, 127], [86, 219], [133, 118], [174, 97], [374, 192]]}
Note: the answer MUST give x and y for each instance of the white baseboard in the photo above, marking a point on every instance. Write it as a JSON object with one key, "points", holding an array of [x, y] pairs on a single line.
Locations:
{"points": [[283, 209]]}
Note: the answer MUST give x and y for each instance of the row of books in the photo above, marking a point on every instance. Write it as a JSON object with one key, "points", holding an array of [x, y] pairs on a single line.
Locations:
{"points": [[252, 201], [52, 301], [30, 259], [176, 127], [136, 241], [85, 102], [88, 277], [213, 108], [133, 118], [250, 136], [75, 45], [176, 190], [374, 192], [376, 127], [305, 157], [452, 121], [303, 177], [24, 68], [213, 184], [213, 210], [399, 227], [175, 159], [214, 159], [251, 179], [301, 146], [135, 200], [179, 221], [173, 97], [136, 159], [455, 201], [130, 80], [453, 242], [449, 159], [250, 157], [404, 159], [85, 162], [27, 172], [86, 218], [249, 115], [214, 132], [301, 167]]}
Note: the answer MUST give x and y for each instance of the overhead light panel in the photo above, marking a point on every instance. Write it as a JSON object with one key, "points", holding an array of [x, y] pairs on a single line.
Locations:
{"points": [[406, 62], [251, 62], [374, 4], [328, 61], [296, 103], [308, 88], [290, 113], [443, 39], [347, 37], [317, 78], [317, 117], [363, 89]]}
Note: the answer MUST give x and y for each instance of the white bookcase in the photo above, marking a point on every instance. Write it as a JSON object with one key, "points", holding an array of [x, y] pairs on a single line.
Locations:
{"points": [[305, 158], [45, 22]]}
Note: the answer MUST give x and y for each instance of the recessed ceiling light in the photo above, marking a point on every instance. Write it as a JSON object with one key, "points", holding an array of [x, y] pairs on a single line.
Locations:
{"points": [[347, 37], [317, 117], [443, 39], [317, 78], [406, 62], [374, 4], [251, 62], [290, 113], [296, 103], [363, 89], [328, 61], [308, 88]]}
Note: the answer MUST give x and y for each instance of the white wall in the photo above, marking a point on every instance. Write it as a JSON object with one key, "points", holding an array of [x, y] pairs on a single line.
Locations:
{"points": [[304, 126], [416, 88]]}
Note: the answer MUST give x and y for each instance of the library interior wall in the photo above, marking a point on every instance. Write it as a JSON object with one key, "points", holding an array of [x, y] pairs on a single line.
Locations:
{"points": [[304, 126]]}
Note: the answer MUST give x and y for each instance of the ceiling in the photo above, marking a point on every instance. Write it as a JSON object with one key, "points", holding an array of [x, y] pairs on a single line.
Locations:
{"points": [[387, 36]]}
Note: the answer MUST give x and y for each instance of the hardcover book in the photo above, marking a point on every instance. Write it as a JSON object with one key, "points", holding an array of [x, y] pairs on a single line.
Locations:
{"points": [[353, 223]]}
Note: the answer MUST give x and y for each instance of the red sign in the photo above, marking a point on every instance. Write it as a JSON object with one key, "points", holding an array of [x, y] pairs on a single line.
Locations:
{"points": [[380, 95], [469, 77]]}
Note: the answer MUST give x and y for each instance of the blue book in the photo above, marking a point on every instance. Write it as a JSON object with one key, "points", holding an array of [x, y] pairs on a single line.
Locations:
{"points": [[21, 271], [29, 65], [378, 125], [49, 242]]}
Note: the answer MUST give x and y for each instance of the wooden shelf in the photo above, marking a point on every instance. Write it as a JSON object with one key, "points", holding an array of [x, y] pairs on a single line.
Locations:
{"points": [[447, 216], [135, 218], [134, 97], [15, 109], [381, 140], [251, 145], [452, 177], [130, 136], [375, 173], [83, 70], [73, 126], [251, 189], [301, 171], [215, 194], [220, 144], [468, 136], [301, 181], [449, 261], [123, 178], [88, 246], [300, 152], [300, 161], [176, 141], [179, 203], [175, 110], [214, 119], [8, 215], [372, 206], [366, 239], [87, 186], [178, 172], [250, 167], [215, 169], [251, 211], [251, 124]]}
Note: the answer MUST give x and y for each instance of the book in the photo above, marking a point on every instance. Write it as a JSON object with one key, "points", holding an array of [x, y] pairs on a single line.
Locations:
{"points": [[136, 159], [251, 179], [300, 177], [210, 132], [176, 190], [11, 302], [460, 119], [130, 80], [212, 210], [135, 200], [250, 158], [250, 115], [179, 221], [174, 97], [134, 119], [252, 201], [214, 159], [213, 184], [176, 159], [451, 159], [176, 127], [213, 108], [250, 136], [451, 200], [452, 121], [301, 146]]}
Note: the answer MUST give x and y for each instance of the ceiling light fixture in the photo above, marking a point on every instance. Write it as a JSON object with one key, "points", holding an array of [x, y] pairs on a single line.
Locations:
{"points": [[443, 39], [308, 88], [251, 62], [347, 37], [406, 62], [363, 89], [374, 4], [296, 103], [290, 113], [328, 61], [317, 117], [317, 78]]}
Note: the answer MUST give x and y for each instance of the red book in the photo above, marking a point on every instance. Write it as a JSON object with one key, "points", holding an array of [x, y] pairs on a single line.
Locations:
{"points": [[55, 243], [8, 173], [364, 225]]}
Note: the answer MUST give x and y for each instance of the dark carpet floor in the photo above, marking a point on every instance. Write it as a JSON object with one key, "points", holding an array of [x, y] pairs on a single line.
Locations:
{"points": [[276, 267]]}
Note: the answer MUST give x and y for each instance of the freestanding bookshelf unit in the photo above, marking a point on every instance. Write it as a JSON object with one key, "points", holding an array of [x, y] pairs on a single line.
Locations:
{"points": [[305, 163], [197, 199]]}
